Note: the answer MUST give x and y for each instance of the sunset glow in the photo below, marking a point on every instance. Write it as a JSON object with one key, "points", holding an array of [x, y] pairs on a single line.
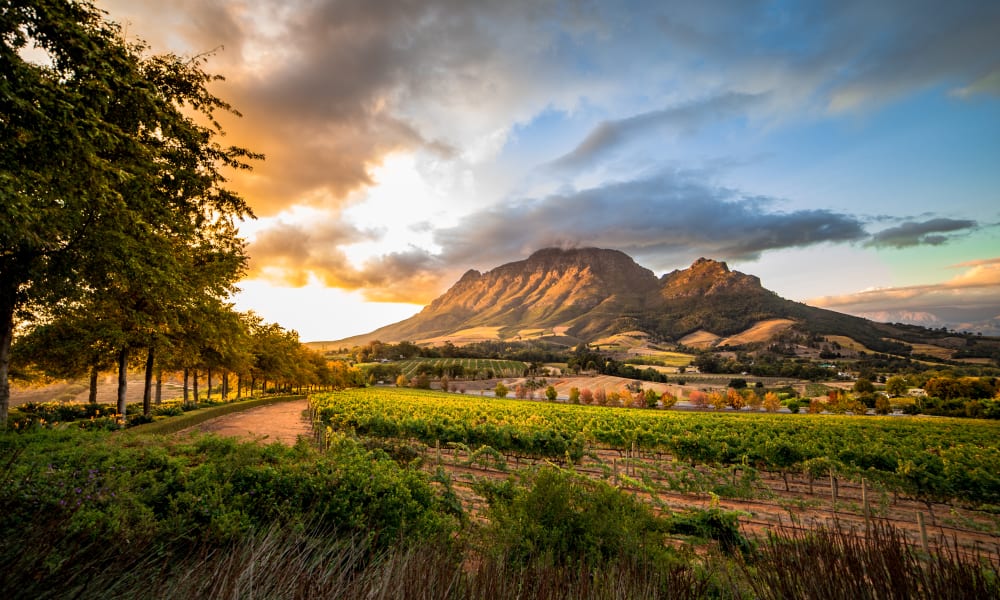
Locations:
{"points": [[848, 147]]}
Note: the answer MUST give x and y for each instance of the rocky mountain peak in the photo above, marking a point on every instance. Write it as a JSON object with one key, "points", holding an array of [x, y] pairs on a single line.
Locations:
{"points": [[707, 277]]}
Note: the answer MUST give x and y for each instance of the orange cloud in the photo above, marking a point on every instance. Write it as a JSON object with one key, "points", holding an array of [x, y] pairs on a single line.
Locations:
{"points": [[977, 286], [293, 255]]}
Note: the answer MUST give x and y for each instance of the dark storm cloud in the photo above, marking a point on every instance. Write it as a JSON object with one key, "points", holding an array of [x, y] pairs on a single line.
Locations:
{"points": [[609, 136], [671, 216], [921, 233]]}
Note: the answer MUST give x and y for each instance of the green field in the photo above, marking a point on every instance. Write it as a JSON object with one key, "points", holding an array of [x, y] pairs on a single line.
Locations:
{"points": [[474, 368], [936, 459]]}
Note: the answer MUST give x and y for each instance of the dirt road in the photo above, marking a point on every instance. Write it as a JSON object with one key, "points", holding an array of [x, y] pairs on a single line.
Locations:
{"points": [[282, 422]]}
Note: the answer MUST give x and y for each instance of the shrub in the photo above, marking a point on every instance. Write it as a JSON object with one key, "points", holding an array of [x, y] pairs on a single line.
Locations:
{"points": [[555, 517]]}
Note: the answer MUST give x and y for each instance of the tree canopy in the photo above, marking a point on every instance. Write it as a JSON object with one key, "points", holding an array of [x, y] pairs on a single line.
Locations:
{"points": [[114, 198]]}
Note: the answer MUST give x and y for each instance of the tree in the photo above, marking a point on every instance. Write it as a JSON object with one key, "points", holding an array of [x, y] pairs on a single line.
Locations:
{"points": [[71, 345], [651, 398], [574, 395], [401, 380], [735, 399], [551, 394], [864, 386], [772, 402], [108, 178], [500, 391], [601, 397], [668, 400]]}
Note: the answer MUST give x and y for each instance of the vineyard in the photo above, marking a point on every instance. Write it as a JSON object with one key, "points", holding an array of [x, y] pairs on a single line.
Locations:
{"points": [[773, 468], [471, 368]]}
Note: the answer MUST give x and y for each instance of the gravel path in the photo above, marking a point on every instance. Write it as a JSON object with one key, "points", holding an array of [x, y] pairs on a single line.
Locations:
{"points": [[282, 422]]}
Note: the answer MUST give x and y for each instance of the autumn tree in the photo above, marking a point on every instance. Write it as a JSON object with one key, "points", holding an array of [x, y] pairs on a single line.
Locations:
{"points": [[500, 391], [600, 397], [772, 402], [735, 399]]}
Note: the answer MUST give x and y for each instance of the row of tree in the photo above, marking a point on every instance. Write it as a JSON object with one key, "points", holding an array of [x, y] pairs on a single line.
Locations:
{"points": [[117, 231], [235, 347]]}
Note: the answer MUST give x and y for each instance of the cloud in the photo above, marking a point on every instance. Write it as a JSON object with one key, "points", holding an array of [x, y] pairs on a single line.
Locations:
{"points": [[294, 254], [918, 233], [977, 287], [609, 136], [330, 87], [669, 217]]}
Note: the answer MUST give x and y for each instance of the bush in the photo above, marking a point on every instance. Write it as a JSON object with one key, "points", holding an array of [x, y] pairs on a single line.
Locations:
{"points": [[556, 517], [126, 492]]}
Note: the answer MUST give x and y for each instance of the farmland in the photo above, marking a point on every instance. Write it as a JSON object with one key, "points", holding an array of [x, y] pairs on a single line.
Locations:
{"points": [[472, 368], [806, 468]]}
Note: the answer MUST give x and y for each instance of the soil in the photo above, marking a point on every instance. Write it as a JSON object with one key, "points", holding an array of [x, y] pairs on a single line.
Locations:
{"points": [[283, 422]]}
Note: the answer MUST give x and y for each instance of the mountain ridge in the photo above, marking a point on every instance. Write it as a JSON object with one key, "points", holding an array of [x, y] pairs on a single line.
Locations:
{"points": [[589, 293]]}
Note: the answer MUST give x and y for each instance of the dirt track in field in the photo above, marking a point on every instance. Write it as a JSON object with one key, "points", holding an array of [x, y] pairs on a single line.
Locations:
{"points": [[282, 422]]}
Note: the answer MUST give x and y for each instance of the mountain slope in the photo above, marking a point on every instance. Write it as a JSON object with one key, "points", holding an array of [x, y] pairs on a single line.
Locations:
{"points": [[592, 292]]}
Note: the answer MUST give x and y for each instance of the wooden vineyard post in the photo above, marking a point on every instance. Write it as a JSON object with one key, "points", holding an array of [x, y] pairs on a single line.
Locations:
{"points": [[923, 532], [864, 504], [437, 448], [833, 492]]}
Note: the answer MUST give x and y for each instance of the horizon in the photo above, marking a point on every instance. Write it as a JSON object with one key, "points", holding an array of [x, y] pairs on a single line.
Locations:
{"points": [[844, 154]]}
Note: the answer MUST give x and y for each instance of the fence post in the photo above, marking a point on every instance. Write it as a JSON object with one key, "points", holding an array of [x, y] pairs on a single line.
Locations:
{"points": [[864, 503], [923, 532]]}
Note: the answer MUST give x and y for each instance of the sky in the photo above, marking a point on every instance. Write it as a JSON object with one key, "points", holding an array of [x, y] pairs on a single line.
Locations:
{"points": [[845, 152]]}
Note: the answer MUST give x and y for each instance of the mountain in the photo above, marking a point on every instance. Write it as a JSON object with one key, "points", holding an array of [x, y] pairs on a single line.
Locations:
{"points": [[589, 293]]}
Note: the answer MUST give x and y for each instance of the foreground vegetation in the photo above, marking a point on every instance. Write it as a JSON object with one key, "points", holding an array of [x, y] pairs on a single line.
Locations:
{"points": [[95, 515]]}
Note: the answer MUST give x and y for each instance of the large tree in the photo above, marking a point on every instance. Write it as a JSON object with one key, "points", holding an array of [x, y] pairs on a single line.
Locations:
{"points": [[110, 175]]}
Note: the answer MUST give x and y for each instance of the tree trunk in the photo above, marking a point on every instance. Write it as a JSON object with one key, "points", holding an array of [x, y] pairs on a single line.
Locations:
{"points": [[194, 385], [263, 386], [225, 385], [159, 386], [186, 374], [239, 387], [92, 396], [7, 298], [122, 383], [147, 390], [208, 384]]}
